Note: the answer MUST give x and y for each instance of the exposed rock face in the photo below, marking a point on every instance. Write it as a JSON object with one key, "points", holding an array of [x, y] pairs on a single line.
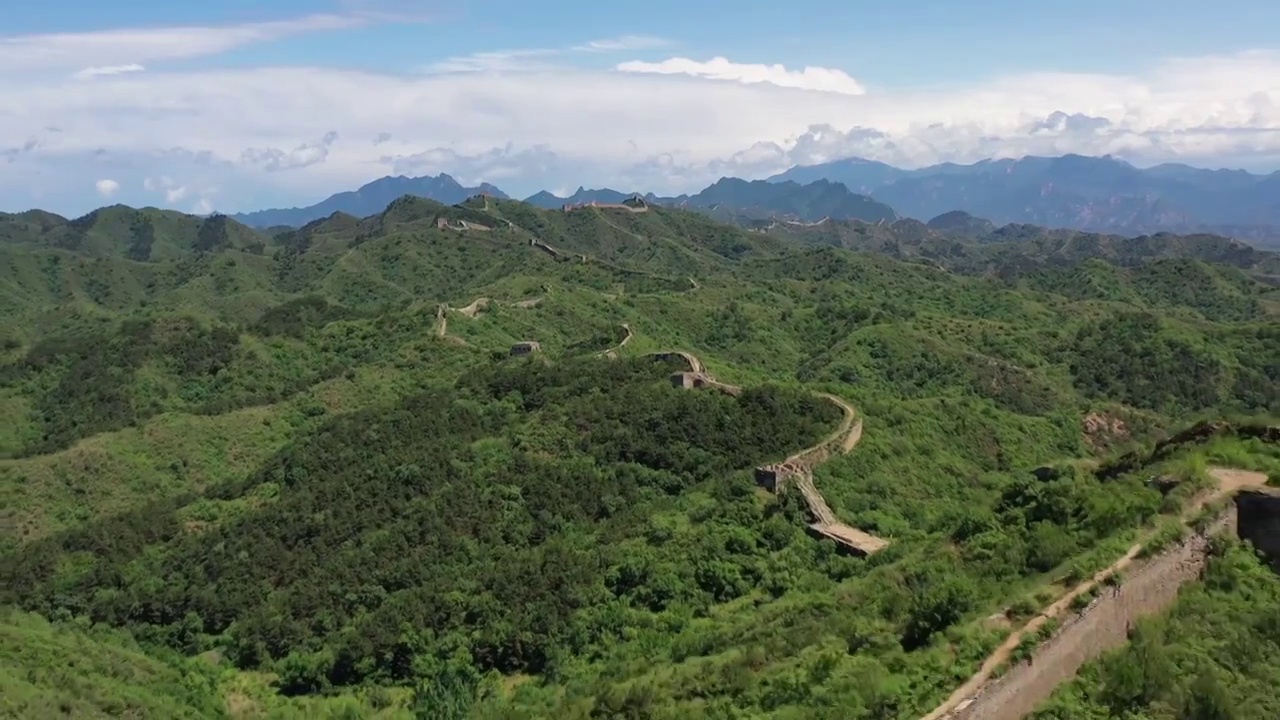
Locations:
{"points": [[1102, 431]]}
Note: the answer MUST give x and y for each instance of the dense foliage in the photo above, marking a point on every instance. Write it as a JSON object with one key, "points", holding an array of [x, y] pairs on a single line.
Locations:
{"points": [[265, 461], [490, 517]]}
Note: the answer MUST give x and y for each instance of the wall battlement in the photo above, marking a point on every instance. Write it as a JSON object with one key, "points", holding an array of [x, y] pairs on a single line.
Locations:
{"points": [[1258, 521]]}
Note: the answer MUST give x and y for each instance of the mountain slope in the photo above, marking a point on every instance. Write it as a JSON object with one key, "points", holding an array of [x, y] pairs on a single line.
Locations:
{"points": [[121, 231], [371, 199], [336, 483]]}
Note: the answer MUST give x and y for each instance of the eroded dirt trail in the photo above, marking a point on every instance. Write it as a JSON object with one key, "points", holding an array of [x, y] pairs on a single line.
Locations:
{"points": [[1229, 481]]}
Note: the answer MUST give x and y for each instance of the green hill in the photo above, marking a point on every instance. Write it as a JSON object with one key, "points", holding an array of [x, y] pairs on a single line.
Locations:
{"points": [[309, 460]]}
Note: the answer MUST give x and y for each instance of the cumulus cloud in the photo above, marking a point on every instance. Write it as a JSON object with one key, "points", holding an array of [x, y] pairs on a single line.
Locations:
{"points": [[239, 128], [107, 187], [304, 155], [720, 68], [175, 192]]}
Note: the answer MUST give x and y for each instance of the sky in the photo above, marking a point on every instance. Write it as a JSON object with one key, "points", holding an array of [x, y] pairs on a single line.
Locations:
{"points": [[239, 105]]}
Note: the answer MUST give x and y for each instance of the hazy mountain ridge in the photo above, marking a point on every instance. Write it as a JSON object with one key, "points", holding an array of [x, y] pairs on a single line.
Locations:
{"points": [[728, 199], [1086, 193], [371, 199]]}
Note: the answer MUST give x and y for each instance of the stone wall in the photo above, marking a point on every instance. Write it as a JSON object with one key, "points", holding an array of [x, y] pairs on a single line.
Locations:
{"points": [[1149, 588], [1259, 521]]}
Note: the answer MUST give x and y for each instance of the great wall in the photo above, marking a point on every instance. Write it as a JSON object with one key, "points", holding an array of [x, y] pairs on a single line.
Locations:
{"points": [[797, 470], [635, 204], [473, 310], [612, 353], [1150, 585]]}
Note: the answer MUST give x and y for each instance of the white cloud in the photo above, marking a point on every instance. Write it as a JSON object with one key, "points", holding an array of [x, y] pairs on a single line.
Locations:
{"points": [[532, 59], [623, 42], [175, 192], [92, 72], [107, 48], [237, 129], [304, 155], [496, 61], [719, 68], [107, 187]]}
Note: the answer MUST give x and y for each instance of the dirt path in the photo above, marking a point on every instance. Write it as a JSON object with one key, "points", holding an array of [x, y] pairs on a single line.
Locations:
{"points": [[1229, 481]]}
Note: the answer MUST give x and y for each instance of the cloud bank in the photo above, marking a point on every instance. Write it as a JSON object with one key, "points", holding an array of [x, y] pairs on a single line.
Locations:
{"points": [[239, 138]]}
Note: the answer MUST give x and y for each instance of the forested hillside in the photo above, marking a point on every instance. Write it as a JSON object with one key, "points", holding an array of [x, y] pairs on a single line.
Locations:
{"points": [[303, 475]]}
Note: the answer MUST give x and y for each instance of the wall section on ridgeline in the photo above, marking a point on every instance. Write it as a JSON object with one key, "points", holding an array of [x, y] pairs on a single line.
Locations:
{"points": [[1259, 521], [1147, 589]]}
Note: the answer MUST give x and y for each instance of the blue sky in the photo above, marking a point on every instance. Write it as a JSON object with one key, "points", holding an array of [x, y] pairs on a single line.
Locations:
{"points": [[239, 104], [911, 42]]}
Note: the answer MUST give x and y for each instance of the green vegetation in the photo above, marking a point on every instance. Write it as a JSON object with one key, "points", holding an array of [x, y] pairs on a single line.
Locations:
{"points": [[1216, 654], [250, 466]]}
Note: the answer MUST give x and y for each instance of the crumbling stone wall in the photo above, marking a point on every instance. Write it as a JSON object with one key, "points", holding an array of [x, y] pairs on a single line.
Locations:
{"points": [[1259, 521], [1147, 589]]}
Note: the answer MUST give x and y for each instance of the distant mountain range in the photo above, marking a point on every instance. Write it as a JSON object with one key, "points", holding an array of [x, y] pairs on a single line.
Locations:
{"points": [[729, 199], [1101, 194], [370, 199], [734, 199], [1076, 192]]}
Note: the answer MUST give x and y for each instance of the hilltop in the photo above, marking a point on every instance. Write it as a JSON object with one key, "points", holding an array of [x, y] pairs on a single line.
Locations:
{"points": [[326, 472]]}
